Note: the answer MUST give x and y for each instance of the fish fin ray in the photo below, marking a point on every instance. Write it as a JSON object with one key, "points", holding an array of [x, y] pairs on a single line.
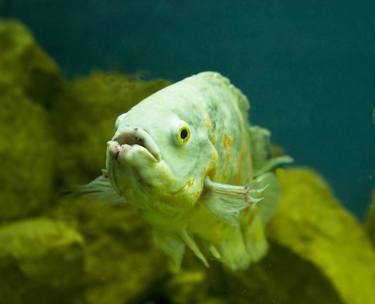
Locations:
{"points": [[98, 189], [227, 201], [261, 151], [190, 242], [270, 196]]}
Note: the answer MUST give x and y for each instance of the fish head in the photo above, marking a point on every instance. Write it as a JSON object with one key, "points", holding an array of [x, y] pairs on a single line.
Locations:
{"points": [[159, 157]]}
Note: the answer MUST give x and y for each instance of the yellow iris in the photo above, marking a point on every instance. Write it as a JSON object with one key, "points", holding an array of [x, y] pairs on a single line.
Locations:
{"points": [[183, 134]]}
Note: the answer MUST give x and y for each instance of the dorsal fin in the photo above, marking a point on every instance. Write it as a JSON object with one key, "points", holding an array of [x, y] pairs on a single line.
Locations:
{"points": [[262, 158]]}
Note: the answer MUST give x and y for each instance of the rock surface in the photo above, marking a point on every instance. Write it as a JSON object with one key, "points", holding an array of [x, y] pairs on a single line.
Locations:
{"points": [[26, 153], [24, 64], [311, 223], [121, 263], [40, 261]]}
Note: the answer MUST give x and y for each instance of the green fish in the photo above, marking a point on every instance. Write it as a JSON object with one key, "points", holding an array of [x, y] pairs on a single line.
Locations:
{"points": [[188, 160]]}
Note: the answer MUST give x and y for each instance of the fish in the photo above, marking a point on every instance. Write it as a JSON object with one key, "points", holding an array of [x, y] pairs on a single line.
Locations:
{"points": [[197, 171]]}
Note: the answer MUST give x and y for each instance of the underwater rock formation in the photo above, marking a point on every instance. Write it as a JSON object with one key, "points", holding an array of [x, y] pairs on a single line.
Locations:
{"points": [[26, 153], [40, 261], [312, 224], [24, 64], [84, 118], [370, 220], [121, 263]]}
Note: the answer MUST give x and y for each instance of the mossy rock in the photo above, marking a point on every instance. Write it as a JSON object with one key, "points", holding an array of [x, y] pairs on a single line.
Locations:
{"points": [[370, 219], [27, 155], [41, 261], [121, 263], [24, 64], [311, 223], [84, 119]]}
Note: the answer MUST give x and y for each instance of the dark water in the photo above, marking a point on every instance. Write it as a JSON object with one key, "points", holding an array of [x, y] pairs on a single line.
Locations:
{"points": [[307, 66]]}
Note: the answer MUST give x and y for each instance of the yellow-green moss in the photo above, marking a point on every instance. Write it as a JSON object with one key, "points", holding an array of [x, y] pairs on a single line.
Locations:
{"points": [[26, 153], [84, 119], [25, 65], [121, 263], [370, 219], [312, 223], [40, 260]]}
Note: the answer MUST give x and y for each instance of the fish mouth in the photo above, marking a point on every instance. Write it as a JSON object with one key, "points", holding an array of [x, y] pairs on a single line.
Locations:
{"points": [[133, 139]]}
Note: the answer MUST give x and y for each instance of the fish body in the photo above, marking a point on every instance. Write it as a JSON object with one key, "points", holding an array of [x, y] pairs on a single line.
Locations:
{"points": [[188, 160]]}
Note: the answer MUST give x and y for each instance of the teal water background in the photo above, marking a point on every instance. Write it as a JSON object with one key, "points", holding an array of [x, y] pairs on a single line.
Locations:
{"points": [[306, 66]]}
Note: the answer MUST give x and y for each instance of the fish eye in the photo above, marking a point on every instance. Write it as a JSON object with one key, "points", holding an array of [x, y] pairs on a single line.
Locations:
{"points": [[183, 134]]}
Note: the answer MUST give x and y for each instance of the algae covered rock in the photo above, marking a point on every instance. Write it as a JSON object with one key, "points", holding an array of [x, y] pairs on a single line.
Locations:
{"points": [[370, 220], [26, 153], [121, 263], [84, 119], [40, 261], [311, 223], [24, 64]]}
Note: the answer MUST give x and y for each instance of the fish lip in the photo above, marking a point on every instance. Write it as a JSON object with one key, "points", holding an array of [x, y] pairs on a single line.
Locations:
{"points": [[129, 138], [116, 150]]}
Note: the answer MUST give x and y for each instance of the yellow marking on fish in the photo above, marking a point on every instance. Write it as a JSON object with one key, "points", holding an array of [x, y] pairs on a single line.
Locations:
{"points": [[227, 142], [207, 122], [240, 167], [190, 183]]}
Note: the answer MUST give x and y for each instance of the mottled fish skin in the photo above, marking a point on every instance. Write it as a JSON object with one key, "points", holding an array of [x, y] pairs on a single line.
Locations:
{"points": [[173, 184], [217, 114]]}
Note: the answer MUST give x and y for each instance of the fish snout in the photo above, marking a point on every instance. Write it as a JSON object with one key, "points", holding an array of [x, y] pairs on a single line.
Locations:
{"points": [[133, 139]]}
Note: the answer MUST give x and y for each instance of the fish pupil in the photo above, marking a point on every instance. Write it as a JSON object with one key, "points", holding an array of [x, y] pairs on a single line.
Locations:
{"points": [[184, 133]]}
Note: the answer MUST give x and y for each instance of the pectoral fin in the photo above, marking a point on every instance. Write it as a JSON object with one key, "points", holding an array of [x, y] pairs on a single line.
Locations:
{"points": [[227, 201], [263, 160], [98, 189]]}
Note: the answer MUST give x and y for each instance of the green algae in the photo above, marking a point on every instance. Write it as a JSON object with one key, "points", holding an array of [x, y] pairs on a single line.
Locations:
{"points": [[26, 153], [84, 117], [25, 64], [313, 224], [39, 259], [121, 263]]}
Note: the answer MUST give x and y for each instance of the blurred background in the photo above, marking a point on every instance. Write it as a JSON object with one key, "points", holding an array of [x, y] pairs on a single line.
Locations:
{"points": [[307, 67]]}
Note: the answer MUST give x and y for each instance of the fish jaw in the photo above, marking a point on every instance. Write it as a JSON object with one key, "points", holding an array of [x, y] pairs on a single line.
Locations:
{"points": [[127, 159], [127, 139], [145, 182], [131, 154]]}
